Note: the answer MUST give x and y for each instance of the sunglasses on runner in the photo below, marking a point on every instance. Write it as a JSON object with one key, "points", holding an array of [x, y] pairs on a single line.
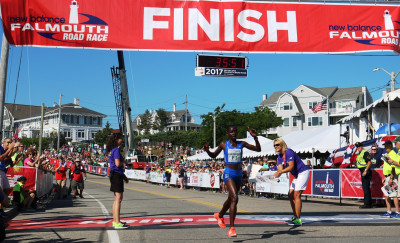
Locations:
{"points": [[277, 145]]}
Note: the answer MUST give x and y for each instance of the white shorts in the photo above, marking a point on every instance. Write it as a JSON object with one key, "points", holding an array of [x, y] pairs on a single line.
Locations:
{"points": [[300, 183], [3, 180]]}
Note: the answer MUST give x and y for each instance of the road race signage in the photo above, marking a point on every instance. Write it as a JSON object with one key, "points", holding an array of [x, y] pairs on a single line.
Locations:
{"points": [[229, 26], [221, 66]]}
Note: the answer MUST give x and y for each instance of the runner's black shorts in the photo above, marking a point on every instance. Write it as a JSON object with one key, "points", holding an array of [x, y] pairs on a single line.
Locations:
{"points": [[117, 182]]}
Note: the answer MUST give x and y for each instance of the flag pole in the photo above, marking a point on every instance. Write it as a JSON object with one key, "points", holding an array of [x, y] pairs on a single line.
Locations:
{"points": [[327, 109]]}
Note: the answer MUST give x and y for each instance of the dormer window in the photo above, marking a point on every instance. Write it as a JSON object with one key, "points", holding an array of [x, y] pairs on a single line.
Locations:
{"points": [[286, 106]]}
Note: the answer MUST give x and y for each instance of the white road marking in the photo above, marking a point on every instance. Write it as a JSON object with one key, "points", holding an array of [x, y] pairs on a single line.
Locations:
{"points": [[112, 234]]}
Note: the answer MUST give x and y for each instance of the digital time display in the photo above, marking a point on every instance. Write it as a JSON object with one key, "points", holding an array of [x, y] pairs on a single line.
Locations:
{"points": [[221, 61]]}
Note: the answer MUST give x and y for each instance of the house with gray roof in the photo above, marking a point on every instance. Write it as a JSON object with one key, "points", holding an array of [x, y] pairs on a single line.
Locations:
{"points": [[77, 123], [295, 107], [177, 121]]}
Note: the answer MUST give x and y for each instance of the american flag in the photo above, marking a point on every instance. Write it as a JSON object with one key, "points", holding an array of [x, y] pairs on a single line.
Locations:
{"points": [[320, 106]]}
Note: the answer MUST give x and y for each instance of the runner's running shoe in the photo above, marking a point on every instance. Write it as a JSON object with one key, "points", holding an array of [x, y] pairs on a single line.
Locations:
{"points": [[120, 225], [291, 220], [232, 232], [220, 221], [395, 215], [296, 222], [387, 214]]}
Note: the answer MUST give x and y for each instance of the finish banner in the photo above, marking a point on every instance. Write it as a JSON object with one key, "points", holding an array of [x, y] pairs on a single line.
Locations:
{"points": [[231, 26]]}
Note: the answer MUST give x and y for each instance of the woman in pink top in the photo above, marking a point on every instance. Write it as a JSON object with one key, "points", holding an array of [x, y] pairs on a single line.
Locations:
{"points": [[29, 160]]}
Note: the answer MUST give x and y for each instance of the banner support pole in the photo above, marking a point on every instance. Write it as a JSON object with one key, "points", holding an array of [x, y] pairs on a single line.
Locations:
{"points": [[3, 80]]}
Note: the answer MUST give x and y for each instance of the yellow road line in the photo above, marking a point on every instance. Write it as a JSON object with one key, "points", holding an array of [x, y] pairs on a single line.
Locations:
{"points": [[174, 197]]}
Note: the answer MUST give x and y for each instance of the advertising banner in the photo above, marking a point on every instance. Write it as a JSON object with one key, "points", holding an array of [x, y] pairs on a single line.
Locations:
{"points": [[16, 172], [352, 186], [308, 190], [232, 26], [326, 183], [99, 170]]}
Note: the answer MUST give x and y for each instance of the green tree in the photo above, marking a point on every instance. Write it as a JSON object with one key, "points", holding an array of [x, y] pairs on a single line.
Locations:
{"points": [[261, 120], [102, 136], [161, 120], [53, 139], [145, 122]]}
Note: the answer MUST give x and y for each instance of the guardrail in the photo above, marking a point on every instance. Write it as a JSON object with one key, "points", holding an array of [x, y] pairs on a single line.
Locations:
{"points": [[335, 183], [204, 180]]}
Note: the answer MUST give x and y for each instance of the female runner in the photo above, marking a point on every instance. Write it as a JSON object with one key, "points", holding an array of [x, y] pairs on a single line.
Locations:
{"points": [[233, 151]]}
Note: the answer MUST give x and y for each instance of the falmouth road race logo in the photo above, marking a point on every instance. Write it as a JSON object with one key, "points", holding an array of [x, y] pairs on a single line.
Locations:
{"points": [[369, 34], [326, 186], [79, 26]]}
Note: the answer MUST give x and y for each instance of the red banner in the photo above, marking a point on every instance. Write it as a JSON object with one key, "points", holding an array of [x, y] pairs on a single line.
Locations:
{"points": [[308, 190], [352, 186], [16, 172], [232, 26]]}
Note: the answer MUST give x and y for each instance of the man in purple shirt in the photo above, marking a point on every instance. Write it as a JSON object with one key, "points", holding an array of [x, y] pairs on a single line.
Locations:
{"points": [[289, 161]]}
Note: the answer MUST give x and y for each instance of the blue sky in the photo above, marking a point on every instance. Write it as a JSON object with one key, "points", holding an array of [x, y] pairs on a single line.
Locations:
{"points": [[159, 79]]}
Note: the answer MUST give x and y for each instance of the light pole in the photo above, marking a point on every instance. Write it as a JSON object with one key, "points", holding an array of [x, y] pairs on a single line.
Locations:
{"points": [[59, 126], [392, 77], [215, 128]]}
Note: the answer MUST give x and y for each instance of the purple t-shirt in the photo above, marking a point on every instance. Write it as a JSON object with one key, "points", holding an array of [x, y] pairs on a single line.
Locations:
{"points": [[115, 154], [290, 155]]}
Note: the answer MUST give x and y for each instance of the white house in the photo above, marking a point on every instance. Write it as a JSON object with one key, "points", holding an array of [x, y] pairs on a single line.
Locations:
{"points": [[177, 121], [77, 123], [295, 107]]}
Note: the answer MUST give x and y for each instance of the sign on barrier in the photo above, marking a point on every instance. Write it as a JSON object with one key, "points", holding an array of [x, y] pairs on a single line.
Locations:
{"points": [[326, 183], [37, 179], [308, 190], [352, 185]]}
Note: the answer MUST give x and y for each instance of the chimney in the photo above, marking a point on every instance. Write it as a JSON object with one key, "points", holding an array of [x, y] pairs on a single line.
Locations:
{"points": [[265, 96], [76, 101], [174, 107]]}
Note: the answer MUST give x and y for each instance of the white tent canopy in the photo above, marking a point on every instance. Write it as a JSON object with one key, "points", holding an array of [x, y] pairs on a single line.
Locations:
{"points": [[377, 106], [324, 139], [376, 113]]}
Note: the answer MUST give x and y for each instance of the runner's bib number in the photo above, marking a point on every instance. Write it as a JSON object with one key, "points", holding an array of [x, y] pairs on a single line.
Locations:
{"points": [[234, 155]]}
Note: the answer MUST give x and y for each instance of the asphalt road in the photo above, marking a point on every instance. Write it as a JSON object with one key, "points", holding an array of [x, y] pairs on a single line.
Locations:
{"points": [[171, 215]]}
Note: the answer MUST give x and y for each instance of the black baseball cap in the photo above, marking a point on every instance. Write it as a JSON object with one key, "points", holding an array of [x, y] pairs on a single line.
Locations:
{"points": [[358, 144]]}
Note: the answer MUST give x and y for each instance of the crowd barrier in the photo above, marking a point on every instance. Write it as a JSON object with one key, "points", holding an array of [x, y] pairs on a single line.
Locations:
{"points": [[37, 179], [205, 180], [335, 183]]}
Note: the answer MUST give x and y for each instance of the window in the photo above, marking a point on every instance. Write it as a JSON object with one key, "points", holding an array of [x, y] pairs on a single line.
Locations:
{"points": [[72, 119], [91, 120], [286, 122], [295, 121], [93, 135], [80, 134], [314, 121], [312, 104], [99, 121], [67, 133], [78, 119], [286, 106]]}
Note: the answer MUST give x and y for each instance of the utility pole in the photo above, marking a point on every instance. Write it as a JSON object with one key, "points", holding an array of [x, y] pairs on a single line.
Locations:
{"points": [[3, 80], [186, 120], [59, 125], [41, 129]]}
